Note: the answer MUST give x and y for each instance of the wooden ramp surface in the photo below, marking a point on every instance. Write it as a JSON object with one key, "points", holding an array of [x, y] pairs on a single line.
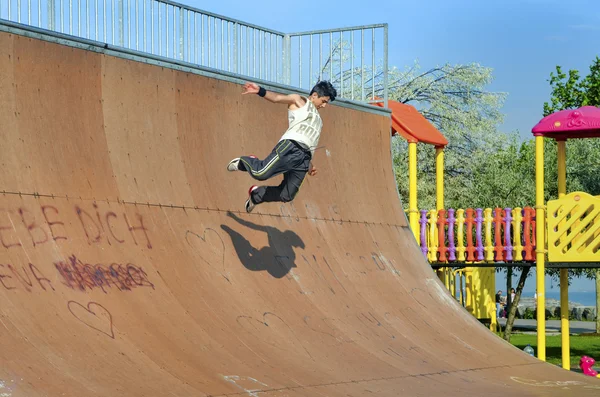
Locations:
{"points": [[128, 267]]}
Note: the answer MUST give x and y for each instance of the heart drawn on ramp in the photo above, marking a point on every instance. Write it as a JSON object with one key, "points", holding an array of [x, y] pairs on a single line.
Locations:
{"points": [[209, 244], [94, 316]]}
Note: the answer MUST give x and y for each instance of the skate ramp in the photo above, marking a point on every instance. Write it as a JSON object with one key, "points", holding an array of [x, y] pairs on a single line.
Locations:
{"points": [[128, 267]]}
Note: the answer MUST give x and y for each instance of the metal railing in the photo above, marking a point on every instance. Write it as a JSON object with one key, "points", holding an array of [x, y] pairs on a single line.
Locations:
{"points": [[353, 59], [347, 57]]}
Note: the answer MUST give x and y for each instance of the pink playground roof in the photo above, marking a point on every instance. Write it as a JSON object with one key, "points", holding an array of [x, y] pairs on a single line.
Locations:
{"points": [[570, 124]]}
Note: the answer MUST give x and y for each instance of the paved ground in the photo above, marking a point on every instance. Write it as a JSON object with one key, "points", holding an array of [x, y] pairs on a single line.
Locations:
{"points": [[552, 326]]}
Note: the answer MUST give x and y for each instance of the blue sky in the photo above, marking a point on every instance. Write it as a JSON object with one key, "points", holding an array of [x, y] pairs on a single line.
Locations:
{"points": [[522, 41]]}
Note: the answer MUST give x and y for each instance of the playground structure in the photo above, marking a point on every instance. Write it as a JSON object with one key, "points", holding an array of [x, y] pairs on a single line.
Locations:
{"points": [[506, 237], [338, 301]]}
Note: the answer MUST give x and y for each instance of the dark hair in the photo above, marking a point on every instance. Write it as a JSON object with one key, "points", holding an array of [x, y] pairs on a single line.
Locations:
{"points": [[324, 88]]}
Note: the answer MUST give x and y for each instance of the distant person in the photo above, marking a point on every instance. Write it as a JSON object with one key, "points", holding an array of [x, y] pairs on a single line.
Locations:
{"points": [[499, 304], [292, 156], [510, 300]]}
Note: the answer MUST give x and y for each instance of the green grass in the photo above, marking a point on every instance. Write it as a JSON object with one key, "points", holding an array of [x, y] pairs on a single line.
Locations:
{"points": [[581, 345]]}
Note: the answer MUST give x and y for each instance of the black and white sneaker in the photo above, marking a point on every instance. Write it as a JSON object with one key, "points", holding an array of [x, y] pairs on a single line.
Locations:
{"points": [[233, 164], [250, 203]]}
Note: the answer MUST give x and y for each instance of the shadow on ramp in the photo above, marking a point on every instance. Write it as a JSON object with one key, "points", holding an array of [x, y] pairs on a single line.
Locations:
{"points": [[277, 258]]}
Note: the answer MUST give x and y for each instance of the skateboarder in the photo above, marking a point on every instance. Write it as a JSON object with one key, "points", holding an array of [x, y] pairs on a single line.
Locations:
{"points": [[292, 156]]}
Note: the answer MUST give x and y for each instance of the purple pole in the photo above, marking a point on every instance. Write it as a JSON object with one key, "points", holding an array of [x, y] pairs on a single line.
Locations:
{"points": [[452, 246], [479, 224], [423, 234], [508, 248]]}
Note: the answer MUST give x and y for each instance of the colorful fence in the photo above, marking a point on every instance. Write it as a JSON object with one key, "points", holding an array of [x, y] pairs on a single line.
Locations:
{"points": [[478, 235]]}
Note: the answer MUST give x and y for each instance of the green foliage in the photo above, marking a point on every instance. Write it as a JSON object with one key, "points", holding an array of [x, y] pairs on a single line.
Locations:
{"points": [[570, 91]]}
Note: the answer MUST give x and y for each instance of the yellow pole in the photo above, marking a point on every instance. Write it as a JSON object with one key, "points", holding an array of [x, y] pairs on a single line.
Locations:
{"points": [[439, 202], [564, 273], [412, 190], [439, 167], [540, 247]]}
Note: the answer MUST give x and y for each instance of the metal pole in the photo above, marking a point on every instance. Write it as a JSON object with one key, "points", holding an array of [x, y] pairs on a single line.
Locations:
{"points": [[208, 28], [236, 48], [352, 64], [152, 25], [228, 47], [181, 34], [330, 56], [105, 22], [300, 63], [87, 19], [373, 64], [222, 45], [247, 51], [128, 24], [96, 23], [341, 65], [215, 33], [113, 20], [174, 34], [202, 39], [51, 14], [385, 66], [321, 57], [137, 28], [362, 65], [310, 62], [167, 29], [159, 32]]}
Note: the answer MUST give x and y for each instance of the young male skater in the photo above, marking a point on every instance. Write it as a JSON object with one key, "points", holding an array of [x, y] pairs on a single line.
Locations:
{"points": [[293, 153]]}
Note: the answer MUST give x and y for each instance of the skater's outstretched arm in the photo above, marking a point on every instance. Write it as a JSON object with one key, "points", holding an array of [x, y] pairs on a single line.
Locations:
{"points": [[248, 224], [294, 101]]}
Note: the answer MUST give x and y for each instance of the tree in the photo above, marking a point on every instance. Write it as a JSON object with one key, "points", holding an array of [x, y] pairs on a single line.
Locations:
{"points": [[454, 99], [570, 91]]}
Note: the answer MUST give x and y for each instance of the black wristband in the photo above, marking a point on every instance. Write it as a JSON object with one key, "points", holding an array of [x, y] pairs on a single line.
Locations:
{"points": [[262, 92]]}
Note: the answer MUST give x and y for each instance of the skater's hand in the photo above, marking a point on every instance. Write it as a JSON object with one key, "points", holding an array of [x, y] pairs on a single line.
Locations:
{"points": [[313, 171], [250, 88]]}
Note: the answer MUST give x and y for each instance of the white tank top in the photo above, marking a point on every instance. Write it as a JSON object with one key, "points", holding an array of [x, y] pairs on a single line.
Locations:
{"points": [[304, 126]]}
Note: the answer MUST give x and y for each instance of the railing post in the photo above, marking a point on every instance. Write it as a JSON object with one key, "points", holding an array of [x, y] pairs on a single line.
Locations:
{"points": [[181, 34], [121, 24], [287, 59], [236, 47], [385, 65], [51, 15]]}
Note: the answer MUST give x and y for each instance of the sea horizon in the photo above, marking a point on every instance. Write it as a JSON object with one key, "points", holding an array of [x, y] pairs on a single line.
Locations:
{"points": [[583, 298]]}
